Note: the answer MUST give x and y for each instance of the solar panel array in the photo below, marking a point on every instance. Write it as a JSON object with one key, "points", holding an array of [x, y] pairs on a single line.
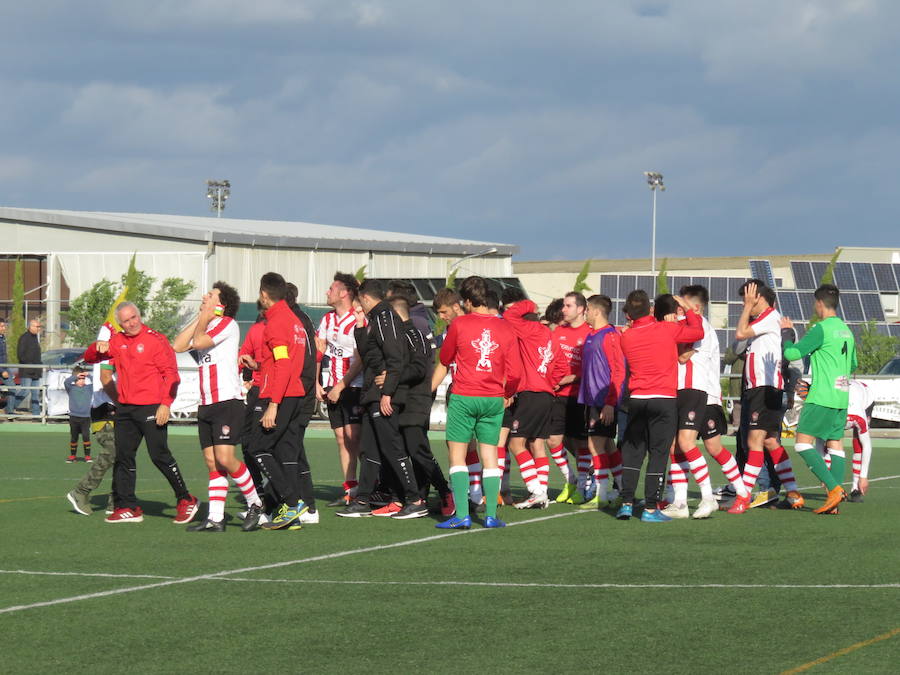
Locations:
{"points": [[762, 269]]}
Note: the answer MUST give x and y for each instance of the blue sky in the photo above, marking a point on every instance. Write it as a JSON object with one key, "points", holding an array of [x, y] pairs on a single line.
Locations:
{"points": [[774, 123]]}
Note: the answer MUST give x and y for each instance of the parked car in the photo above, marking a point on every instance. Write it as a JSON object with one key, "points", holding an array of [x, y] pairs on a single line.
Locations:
{"points": [[892, 367], [62, 357]]}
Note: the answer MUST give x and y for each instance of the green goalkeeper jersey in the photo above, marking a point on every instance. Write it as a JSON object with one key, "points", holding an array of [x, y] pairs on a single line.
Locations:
{"points": [[833, 355]]}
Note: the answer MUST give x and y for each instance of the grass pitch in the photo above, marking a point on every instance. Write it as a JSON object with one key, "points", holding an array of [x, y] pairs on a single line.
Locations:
{"points": [[561, 590]]}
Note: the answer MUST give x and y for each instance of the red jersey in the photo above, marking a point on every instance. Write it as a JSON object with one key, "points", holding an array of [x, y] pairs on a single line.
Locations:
{"points": [[571, 345], [651, 350], [253, 346], [146, 371], [542, 365], [486, 354], [284, 348]]}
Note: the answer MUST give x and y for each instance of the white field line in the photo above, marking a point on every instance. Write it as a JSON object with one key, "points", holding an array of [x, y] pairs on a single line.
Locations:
{"points": [[257, 568], [491, 584]]}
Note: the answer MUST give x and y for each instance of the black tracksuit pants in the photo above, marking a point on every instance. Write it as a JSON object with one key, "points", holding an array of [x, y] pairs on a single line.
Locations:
{"points": [[247, 437], [277, 450], [652, 426], [428, 471], [135, 423], [381, 441]]}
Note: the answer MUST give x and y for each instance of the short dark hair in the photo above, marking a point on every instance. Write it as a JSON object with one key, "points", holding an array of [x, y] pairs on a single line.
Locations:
{"points": [[474, 290], [637, 305], [405, 289], [274, 285], [229, 297], [351, 283], [374, 288], [767, 293], [664, 305], [579, 298], [292, 294], [493, 300], [3, 319], [695, 291], [446, 297], [601, 302], [512, 294], [402, 290], [829, 295], [553, 313]]}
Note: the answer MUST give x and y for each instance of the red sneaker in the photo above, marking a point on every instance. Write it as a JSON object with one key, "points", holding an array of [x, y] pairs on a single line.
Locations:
{"points": [[135, 515], [87, 458], [187, 509], [70, 459], [740, 505], [448, 505], [389, 510]]}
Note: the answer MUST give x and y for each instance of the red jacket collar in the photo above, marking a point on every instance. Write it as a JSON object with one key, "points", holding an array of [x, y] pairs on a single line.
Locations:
{"points": [[643, 321], [276, 309]]}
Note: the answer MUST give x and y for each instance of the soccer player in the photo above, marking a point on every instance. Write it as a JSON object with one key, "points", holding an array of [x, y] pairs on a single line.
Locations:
{"points": [[335, 337], [486, 354], [651, 351], [382, 348], [147, 381], [252, 348], [213, 339], [760, 324], [698, 374], [859, 415], [567, 428], [276, 443], [832, 351], [600, 392], [542, 369]]}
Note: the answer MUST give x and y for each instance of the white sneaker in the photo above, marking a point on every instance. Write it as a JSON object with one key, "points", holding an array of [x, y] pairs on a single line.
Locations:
{"points": [[537, 500], [706, 508], [676, 511], [242, 515], [309, 518]]}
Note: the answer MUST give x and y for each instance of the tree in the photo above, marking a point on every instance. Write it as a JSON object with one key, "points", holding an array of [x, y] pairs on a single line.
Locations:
{"points": [[581, 280], [139, 284], [361, 274], [827, 278], [662, 279], [451, 279], [874, 349], [88, 311], [17, 323], [165, 315]]}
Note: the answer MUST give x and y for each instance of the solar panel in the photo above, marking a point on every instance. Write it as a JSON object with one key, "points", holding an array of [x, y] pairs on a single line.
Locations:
{"points": [[676, 283], [883, 329], [734, 285], [896, 267], [779, 282], [722, 334], [872, 308], [884, 275], [762, 269], [852, 307], [807, 303], [856, 329], [803, 275], [734, 313], [701, 281], [609, 285], [801, 330], [789, 305], [818, 270], [843, 277], [718, 289], [647, 284], [895, 329], [627, 283], [865, 277], [618, 317]]}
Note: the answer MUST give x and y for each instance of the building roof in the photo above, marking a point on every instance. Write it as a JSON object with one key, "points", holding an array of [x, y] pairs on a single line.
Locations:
{"points": [[672, 264], [275, 233]]}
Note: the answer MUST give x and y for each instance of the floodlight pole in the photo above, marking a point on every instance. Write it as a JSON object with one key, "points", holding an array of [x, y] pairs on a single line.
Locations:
{"points": [[654, 182], [218, 191]]}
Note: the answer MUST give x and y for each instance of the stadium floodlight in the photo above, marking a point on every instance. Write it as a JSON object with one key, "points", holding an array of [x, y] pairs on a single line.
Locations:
{"points": [[218, 191], [654, 182]]}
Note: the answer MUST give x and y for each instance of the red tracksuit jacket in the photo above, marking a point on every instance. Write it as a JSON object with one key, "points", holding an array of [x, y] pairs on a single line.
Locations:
{"points": [[543, 365], [651, 350], [283, 352]]}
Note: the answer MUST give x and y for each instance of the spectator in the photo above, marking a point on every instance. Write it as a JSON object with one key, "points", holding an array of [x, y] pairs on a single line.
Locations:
{"points": [[29, 353], [6, 380], [80, 389]]}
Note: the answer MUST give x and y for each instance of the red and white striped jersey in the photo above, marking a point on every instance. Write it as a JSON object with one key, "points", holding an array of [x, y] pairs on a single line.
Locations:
{"points": [[702, 371], [763, 365], [337, 331], [220, 378]]}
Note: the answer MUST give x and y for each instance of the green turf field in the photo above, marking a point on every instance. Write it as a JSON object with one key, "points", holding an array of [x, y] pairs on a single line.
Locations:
{"points": [[561, 591]]}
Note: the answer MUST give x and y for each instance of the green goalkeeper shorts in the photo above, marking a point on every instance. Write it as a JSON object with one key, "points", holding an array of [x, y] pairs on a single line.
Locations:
{"points": [[820, 422], [478, 417]]}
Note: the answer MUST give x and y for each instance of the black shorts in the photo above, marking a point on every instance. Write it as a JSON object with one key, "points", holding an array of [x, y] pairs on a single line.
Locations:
{"points": [[593, 426], [691, 409], [764, 409], [347, 410], [221, 423], [567, 417], [715, 423], [508, 416], [531, 415]]}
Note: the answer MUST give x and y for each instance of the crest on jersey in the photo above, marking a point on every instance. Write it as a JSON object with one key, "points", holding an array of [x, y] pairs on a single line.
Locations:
{"points": [[755, 417], [546, 354], [515, 426], [711, 424], [140, 348], [485, 347]]}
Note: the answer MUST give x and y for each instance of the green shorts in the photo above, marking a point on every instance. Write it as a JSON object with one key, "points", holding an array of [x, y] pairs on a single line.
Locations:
{"points": [[474, 416], [820, 422]]}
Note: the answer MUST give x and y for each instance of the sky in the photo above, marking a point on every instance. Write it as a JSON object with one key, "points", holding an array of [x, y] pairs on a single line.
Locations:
{"points": [[774, 123]]}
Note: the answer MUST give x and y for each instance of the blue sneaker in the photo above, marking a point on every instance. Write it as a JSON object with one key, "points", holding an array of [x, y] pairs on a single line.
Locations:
{"points": [[624, 512], [456, 523], [285, 517], [493, 521], [656, 516]]}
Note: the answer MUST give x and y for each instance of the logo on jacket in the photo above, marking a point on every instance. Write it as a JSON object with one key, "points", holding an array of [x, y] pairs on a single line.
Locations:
{"points": [[485, 347], [140, 348], [546, 354]]}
